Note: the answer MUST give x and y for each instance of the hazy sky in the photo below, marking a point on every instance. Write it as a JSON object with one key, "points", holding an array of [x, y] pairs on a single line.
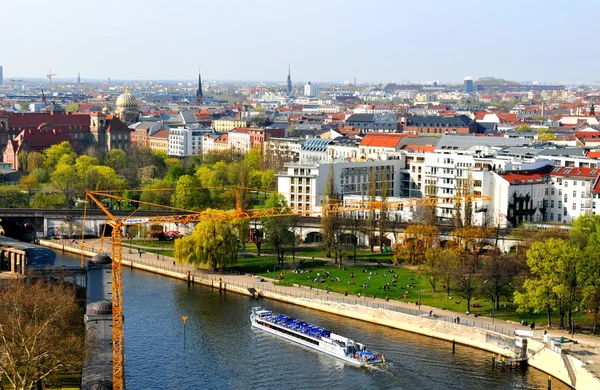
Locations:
{"points": [[323, 40]]}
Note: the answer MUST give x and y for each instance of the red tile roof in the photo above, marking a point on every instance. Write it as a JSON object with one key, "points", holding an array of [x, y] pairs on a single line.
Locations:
{"points": [[384, 140], [24, 121], [161, 134], [419, 148]]}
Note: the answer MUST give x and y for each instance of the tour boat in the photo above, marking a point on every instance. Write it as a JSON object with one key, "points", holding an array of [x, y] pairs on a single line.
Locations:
{"points": [[314, 337]]}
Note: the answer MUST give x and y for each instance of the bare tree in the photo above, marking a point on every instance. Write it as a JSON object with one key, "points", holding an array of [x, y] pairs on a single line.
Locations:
{"points": [[41, 332]]}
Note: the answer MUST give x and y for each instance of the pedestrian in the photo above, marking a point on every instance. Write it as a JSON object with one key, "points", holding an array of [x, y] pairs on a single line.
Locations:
{"points": [[545, 337], [532, 325], [430, 313], [173, 263], [457, 320], [157, 257]]}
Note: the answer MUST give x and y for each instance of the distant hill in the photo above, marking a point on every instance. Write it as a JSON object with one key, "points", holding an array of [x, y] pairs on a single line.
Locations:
{"points": [[494, 81]]}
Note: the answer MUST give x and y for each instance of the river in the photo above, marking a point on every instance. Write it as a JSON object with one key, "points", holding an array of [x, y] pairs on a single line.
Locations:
{"points": [[222, 351]]}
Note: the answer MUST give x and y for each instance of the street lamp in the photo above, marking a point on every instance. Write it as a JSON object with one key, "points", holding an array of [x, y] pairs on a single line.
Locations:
{"points": [[184, 318]]}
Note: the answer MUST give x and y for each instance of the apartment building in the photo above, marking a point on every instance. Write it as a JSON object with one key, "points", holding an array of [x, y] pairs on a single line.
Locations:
{"points": [[228, 124], [303, 184]]}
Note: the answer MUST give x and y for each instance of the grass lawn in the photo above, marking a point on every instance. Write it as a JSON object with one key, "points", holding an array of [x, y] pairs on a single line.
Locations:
{"points": [[317, 251], [369, 280]]}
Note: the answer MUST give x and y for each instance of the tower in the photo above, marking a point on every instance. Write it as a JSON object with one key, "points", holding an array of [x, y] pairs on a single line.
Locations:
{"points": [[199, 95], [78, 78], [468, 85], [592, 110], [1, 76], [289, 81]]}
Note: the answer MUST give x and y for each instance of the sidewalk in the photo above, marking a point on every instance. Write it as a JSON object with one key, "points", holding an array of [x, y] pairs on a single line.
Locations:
{"points": [[586, 349]]}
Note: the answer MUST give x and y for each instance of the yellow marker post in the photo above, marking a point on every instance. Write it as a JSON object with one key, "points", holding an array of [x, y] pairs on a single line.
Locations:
{"points": [[184, 318]]}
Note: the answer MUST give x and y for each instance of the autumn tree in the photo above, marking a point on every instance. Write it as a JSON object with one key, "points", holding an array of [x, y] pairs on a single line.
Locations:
{"points": [[55, 153], [469, 244], [41, 332], [417, 239], [213, 243]]}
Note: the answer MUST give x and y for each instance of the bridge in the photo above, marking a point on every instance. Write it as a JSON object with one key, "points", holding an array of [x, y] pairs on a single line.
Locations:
{"points": [[24, 223]]}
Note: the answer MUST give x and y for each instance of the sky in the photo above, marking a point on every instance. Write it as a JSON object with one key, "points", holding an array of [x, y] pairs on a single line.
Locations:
{"points": [[322, 40]]}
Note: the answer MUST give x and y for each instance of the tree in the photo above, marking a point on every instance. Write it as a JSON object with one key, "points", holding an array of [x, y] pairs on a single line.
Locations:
{"points": [[65, 180], [41, 332], [432, 266], [383, 209], [189, 194], [30, 184], [417, 238], [586, 234], [54, 153], [213, 243], [328, 203], [24, 106], [498, 273], [277, 230], [554, 266], [371, 218], [468, 244], [116, 159], [73, 107], [447, 270], [12, 196]]}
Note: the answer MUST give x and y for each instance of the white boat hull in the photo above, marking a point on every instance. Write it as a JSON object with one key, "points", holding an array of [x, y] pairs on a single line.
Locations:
{"points": [[316, 344]]}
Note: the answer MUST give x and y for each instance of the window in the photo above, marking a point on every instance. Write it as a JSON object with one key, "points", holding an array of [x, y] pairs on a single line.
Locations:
{"points": [[551, 216], [552, 192], [559, 217], [566, 184], [574, 194], [574, 206], [546, 191], [552, 204]]}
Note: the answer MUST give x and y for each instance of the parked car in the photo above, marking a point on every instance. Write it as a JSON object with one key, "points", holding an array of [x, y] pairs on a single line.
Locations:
{"points": [[172, 234]]}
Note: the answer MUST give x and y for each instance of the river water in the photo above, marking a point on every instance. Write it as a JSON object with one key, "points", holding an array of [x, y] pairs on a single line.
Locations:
{"points": [[222, 351]]}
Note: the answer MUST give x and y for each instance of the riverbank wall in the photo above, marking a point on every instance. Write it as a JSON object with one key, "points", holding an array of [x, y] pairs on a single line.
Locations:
{"points": [[566, 368]]}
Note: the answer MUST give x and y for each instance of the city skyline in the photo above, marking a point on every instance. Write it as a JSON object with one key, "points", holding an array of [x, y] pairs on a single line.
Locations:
{"points": [[334, 41]]}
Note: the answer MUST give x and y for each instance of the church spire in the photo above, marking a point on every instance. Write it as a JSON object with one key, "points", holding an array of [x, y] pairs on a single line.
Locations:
{"points": [[199, 94], [289, 81]]}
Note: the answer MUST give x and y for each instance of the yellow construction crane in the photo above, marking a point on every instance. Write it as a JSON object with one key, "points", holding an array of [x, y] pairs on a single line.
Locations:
{"points": [[50, 75], [186, 216]]}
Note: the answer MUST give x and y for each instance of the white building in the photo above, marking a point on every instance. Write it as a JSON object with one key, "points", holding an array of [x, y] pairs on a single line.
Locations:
{"points": [[186, 142], [311, 90], [551, 194], [239, 140], [303, 184]]}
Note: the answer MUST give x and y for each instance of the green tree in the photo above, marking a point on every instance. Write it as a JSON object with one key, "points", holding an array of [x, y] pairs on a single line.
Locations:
{"points": [[214, 243], [43, 200], [554, 266], [586, 234], [73, 107], [66, 181], [254, 159], [189, 194], [24, 106], [55, 153], [12, 196], [116, 159]]}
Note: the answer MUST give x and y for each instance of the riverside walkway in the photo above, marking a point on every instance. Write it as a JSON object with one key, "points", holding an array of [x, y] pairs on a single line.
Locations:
{"points": [[586, 348]]}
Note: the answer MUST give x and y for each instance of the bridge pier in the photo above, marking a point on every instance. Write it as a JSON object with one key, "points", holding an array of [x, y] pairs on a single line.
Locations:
{"points": [[13, 260]]}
